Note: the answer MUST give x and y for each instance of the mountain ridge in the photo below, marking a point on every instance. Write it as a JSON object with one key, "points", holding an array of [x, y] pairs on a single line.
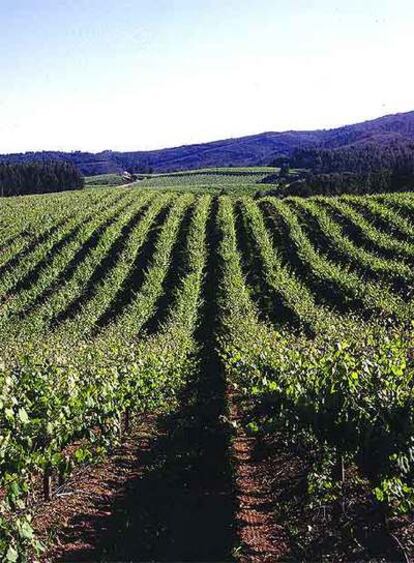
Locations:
{"points": [[257, 149]]}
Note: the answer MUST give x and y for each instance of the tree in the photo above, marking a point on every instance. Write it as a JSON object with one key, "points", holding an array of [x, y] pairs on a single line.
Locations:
{"points": [[284, 169], [39, 177]]}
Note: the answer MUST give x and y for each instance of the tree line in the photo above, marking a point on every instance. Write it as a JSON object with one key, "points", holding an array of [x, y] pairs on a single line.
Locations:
{"points": [[338, 183], [307, 184], [38, 178], [374, 166], [366, 157]]}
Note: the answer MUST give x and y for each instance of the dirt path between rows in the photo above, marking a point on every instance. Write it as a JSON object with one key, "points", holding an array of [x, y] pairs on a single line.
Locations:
{"points": [[169, 494], [72, 523]]}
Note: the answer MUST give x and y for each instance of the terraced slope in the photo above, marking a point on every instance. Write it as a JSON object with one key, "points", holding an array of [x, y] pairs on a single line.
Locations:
{"points": [[117, 303]]}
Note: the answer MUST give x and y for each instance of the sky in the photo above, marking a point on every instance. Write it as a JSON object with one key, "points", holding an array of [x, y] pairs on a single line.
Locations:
{"points": [[144, 74]]}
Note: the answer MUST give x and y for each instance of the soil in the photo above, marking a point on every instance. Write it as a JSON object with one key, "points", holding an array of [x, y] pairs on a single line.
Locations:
{"points": [[74, 520], [168, 495], [261, 536]]}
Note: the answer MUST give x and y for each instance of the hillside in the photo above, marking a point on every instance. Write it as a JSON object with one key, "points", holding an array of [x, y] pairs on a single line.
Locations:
{"points": [[252, 150]]}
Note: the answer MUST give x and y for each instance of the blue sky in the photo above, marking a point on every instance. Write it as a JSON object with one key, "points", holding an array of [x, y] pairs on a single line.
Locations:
{"points": [[130, 75]]}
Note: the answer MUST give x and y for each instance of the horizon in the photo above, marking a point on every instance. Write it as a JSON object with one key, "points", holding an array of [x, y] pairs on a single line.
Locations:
{"points": [[217, 140], [151, 75]]}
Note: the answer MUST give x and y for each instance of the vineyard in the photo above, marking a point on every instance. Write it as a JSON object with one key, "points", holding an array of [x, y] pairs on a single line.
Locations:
{"points": [[279, 326], [214, 181]]}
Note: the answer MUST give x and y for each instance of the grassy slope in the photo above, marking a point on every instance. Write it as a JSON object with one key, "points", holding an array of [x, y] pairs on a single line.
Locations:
{"points": [[216, 180], [212, 180], [104, 180]]}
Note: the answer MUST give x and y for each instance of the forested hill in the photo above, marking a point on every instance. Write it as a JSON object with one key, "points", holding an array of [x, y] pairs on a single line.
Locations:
{"points": [[252, 150]]}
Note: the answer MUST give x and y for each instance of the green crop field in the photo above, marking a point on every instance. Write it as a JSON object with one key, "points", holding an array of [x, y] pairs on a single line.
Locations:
{"points": [[208, 180], [227, 171], [117, 303], [212, 181], [105, 180]]}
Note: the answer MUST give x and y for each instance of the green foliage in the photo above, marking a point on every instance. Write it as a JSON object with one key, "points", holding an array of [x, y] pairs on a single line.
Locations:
{"points": [[38, 177], [104, 180], [353, 392], [214, 181], [342, 380]]}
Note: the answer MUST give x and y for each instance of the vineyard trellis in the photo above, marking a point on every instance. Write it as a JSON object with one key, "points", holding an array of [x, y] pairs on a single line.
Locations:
{"points": [[313, 303]]}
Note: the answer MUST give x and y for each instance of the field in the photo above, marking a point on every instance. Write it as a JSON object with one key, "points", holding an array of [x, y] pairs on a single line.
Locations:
{"points": [[228, 171], [105, 180], [209, 180], [265, 347], [207, 183]]}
